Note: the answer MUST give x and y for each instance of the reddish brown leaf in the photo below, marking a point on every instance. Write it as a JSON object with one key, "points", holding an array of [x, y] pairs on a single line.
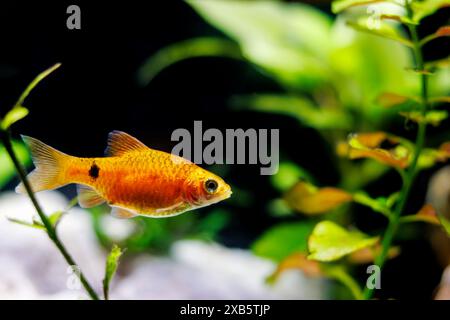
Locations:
{"points": [[297, 261], [309, 199]]}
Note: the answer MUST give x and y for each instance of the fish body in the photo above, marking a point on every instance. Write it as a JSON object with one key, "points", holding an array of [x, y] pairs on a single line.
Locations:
{"points": [[133, 178]]}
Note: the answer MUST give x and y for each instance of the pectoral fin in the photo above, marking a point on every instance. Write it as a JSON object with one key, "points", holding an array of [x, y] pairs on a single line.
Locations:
{"points": [[88, 197], [122, 213]]}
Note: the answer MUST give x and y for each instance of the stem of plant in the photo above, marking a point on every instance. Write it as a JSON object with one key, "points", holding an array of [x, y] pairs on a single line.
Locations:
{"points": [[412, 170], [51, 231]]}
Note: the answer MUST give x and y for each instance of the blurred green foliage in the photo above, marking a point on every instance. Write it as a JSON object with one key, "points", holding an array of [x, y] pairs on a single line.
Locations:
{"points": [[337, 80]]}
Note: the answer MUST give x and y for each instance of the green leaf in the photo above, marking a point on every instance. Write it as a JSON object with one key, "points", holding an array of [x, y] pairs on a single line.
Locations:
{"points": [[339, 273], [111, 267], [288, 40], [15, 114], [434, 117], [422, 9], [55, 217], [192, 48], [329, 242], [377, 205], [283, 240], [213, 223], [35, 224], [35, 82], [288, 175], [341, 5], [7, 170], [383, 30], [302, 109]]}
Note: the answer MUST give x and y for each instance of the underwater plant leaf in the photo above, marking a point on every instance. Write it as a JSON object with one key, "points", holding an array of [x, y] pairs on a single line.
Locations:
{"points": [[377, 205], [55, 217], [429, 157], [341, 5], [383, 30], [441, 32], [340, 274], [288, 175], [422, 9], [34, 224], [434, 117], [368, 254], [41, 76], [297, 261], [290, 41], [426, 214], [308, 199], [440, 100], [15, 114], [112, 262], [329, 242], [397, 102], [366, 145], [302, 109], [283, 240], [192, 48], [8, 171]]}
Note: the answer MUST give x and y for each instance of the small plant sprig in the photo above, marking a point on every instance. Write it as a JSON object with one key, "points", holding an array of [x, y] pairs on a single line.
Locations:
{"points": [[48, 223]]}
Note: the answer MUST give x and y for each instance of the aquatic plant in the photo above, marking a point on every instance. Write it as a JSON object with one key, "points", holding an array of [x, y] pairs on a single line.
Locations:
{"points": [[47, 223], [349, 79]]}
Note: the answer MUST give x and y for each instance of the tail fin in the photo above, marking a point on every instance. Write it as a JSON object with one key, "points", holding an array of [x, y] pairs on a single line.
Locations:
{"points": [[49, 163]]}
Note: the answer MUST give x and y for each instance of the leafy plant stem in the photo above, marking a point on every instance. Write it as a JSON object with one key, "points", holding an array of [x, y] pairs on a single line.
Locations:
{"points": [[412, 170], [51, 231]]}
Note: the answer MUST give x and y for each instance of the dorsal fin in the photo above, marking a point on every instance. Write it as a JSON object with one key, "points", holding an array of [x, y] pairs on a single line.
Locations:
{"points": [[120, 143]]}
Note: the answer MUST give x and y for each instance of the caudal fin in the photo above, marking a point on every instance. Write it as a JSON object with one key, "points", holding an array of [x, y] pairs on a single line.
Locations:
{"points": [[49, 164]]}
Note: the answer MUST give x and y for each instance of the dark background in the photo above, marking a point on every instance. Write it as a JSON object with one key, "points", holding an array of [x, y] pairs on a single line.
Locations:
{"points": [[96, 91]]}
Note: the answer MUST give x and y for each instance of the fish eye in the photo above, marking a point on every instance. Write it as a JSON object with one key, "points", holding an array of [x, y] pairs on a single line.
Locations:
{"points": [[211, 186]]}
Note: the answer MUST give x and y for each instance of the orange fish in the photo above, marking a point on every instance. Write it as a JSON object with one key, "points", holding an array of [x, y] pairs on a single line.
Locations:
{"points": [[133, 179]]}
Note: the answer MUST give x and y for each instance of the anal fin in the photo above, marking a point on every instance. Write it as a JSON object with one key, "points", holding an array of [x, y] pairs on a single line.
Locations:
{"points": [[122, 213], [88, 197]]}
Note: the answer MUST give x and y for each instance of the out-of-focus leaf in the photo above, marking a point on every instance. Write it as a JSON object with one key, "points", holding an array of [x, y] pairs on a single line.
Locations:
{"points": [[440, 100], [425, 214], [288, 175], [7, 170], [421, 9], [34, 224], [301, 109], [365, 145], [341, 5], [15, 114], [368, 254], [329, 242], [283, 240], [384, 30], [309, 199], [339, 273], [290, 41], [434, 117], [213, 223], [358, 58], [55, 217], [429, 157], [377, 205], [441, 32], [192, 48], [397, 102], [279, 208], [297, 261], [112, 262]]}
